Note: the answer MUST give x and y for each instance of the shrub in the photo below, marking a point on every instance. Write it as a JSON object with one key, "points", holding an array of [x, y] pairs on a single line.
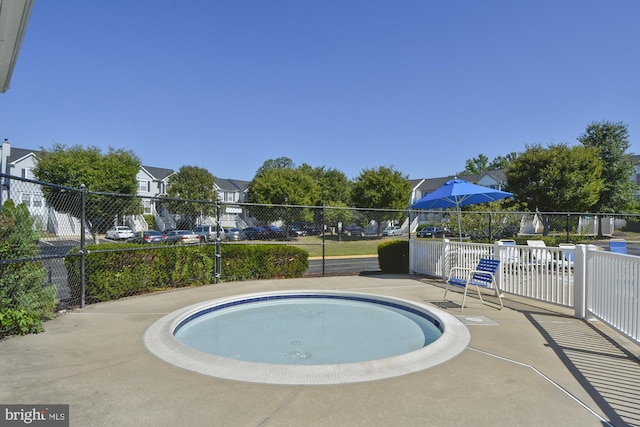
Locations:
{"points": [[245, 262], [548, 240], [151, 221], [393, 257], [119, 270], [24, 300]]}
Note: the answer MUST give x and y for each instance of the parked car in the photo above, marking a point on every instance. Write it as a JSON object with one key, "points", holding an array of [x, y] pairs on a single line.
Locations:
{"points": [[276, 233], [181, 236], [147, 236], [353, 230], [434, 232], [295, 231], [256, 233], [208, 233], [310, 228], [394, 230], [119, 232], [235, 234]]}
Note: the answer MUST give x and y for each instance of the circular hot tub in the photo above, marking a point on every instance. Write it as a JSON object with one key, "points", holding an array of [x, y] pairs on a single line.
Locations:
{"points": [[302, 337]]}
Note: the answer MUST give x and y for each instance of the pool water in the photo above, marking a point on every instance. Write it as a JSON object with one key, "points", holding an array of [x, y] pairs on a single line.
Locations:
{"points": [[307, 337], [308, 331]]}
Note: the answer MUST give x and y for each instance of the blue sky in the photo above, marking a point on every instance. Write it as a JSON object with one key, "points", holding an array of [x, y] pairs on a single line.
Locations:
{"points": [[421, 86]]}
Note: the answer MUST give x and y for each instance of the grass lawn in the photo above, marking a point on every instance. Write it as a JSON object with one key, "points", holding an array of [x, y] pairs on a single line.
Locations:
{"points": [[342, 247]]}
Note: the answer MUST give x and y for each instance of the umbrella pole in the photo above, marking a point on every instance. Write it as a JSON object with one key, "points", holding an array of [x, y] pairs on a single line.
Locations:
{"points": [[459, 222]]}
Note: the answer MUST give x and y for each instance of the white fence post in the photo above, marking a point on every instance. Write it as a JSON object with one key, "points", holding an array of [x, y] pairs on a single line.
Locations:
{"points": [[580, 282], [497, 254], [446, 258], [412, 254]]}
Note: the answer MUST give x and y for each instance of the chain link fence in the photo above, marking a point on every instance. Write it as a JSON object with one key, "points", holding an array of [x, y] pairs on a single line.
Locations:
{"points": [[81, 230], [562, 227]]}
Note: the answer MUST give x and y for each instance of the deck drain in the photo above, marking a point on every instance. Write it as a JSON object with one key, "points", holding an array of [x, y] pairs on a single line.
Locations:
{"points": [[477, 320]]}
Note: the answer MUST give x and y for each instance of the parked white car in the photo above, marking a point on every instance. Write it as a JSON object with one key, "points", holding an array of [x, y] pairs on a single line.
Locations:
{"points": [[395, 230], [208, 233], [119, 232], [181, 236]]}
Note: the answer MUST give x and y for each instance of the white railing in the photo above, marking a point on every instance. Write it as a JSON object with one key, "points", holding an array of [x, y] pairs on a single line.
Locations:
{"points": [[63, 224], [136, 222], [613, 291], [545, 274], [591, 281], [426, 257]]}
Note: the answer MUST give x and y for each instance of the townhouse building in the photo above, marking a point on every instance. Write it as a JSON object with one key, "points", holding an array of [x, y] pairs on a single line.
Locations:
{"points": [[495, 179], [153, 182]]}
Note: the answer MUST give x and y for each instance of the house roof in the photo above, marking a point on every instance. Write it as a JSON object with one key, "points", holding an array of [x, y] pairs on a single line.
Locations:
{"points": [[497, 174], [158, 174], [415, 183], [430, 184], [21, 153], [232, 184]]}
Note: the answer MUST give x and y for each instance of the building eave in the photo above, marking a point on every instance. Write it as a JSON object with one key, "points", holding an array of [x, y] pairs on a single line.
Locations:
{"points": [[14, 17]]}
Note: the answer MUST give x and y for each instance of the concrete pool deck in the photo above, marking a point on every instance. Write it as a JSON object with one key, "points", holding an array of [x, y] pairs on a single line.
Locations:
{"points": [[528, 364]]}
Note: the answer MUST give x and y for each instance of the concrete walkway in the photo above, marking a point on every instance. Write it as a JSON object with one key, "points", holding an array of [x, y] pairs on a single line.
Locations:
{"points": [[526, 365]]}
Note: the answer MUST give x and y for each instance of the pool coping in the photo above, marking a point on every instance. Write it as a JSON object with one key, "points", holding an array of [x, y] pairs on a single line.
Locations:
{"points": [[160, 341]]}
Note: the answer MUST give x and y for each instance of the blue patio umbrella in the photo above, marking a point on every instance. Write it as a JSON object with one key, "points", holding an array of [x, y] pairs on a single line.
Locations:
{"points": [[458, 192]]}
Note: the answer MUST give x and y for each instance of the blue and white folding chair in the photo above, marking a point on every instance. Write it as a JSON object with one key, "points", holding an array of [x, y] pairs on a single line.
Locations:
{"points": [[483, 275]]}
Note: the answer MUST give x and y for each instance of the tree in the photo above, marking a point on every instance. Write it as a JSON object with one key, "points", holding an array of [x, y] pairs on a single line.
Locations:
{"points": [[279, 163], [334, 185], [338, 212], [502, 162], [24, 301], [477, 164], [491, 221], [283, 186], [195, 186], [382, 188], [556, 179], [334, 191], [113, 172], [612, 141], [279, 183]]}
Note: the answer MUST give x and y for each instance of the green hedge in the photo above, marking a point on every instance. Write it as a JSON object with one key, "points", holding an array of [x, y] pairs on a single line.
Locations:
{"points": [[393, 257], [522, 240], [245, 262], [118, 270]]}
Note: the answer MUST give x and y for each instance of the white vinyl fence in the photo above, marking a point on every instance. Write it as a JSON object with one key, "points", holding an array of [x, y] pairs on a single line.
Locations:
{"points": [[593, 282], [613, 290]]}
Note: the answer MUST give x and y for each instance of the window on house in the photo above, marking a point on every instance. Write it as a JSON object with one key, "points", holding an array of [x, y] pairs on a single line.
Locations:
{"points": [[230, 196], [37, 201], [26, 199], [27, 173], [143, 185], [146, 206]]}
